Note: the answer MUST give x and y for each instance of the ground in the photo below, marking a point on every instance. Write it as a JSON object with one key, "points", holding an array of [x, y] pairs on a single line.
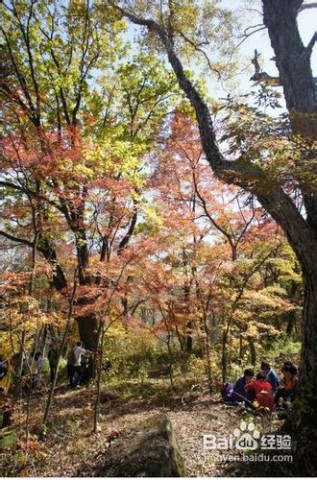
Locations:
{"points": [[69, 448]]}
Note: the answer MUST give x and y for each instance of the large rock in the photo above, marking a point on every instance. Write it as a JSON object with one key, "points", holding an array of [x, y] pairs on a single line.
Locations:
{"points": [[150, 450]]}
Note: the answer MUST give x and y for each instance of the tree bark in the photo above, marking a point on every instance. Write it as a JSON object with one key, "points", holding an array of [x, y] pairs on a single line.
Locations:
{"points": [[252, 350]]}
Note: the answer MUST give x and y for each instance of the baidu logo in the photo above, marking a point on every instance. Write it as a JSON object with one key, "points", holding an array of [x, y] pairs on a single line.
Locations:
{"points": [[247, 436]]}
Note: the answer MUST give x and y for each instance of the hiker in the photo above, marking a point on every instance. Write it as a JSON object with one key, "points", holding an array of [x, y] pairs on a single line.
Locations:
{"points": [[262, 393], [287, 389], [53, 356], [226, 393], [36, 368], [77, 376], [5, 376], [70, 366], [270, 375], [106, 365], [237, 394], [84, 368]]}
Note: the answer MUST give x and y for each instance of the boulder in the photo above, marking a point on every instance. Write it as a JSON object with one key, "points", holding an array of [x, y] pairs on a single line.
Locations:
{"points": [[150, 450]]}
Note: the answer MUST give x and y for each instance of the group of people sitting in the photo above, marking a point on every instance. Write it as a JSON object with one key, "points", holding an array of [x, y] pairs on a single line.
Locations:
{"points": [[265, 392]]}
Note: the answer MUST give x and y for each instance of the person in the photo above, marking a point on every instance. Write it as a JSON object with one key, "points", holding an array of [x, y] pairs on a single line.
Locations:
{"points": [[70, 366], [237, 394], [84, 368], [270, 375], [287, 390], [262, 392], [5, 376], [36, 368], [226, 393], [79, 351], [53, 357], [106, 365]]}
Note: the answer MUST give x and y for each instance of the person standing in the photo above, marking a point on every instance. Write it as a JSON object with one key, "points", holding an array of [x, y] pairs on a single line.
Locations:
{"points": [[79, 351], [53, 357]]}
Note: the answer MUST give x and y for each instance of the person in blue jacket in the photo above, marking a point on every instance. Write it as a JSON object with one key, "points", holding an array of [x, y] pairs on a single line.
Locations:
{"points": [[270, 375], [239, 394], [234, 394]]}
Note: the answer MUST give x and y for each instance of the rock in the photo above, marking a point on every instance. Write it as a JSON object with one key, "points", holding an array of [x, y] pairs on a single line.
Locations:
{"points": [[150, 450]]}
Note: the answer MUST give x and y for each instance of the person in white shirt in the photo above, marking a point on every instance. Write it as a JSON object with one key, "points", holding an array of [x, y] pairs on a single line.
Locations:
{"points": [[77, 367]]}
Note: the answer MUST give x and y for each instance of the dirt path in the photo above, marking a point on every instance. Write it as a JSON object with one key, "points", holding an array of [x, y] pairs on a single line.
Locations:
{"points": [[70, 449]]}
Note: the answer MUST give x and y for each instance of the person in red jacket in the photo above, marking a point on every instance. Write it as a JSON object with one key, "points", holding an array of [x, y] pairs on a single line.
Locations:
{"points": [[263, 394]]}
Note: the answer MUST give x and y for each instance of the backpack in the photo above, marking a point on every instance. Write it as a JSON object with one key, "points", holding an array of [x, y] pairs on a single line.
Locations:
{"points": [[4, 367], [226, 391], [84, 361], [71, 359]]}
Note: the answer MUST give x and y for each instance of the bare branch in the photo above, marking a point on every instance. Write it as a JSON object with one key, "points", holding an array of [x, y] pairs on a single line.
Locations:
{"points": [[24, 241], [306, 6], [200, 50], [247, 35]]}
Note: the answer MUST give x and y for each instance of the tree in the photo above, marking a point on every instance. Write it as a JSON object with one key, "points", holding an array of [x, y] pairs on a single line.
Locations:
{"points": [[293, 62], [219, 250], [75, 125]]}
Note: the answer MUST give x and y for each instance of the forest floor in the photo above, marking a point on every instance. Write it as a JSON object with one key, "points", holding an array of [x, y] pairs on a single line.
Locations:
{"points": [[68, 447]]}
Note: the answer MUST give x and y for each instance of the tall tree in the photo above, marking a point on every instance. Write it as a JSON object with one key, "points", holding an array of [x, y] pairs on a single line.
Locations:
{"points": [[75, 125]]}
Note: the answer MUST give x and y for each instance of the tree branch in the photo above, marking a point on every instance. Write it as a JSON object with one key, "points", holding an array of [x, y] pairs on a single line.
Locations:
{"points": [[16, 239], [246, 35], [239, 172], [200, 50], [311, 44], [306, 6]]}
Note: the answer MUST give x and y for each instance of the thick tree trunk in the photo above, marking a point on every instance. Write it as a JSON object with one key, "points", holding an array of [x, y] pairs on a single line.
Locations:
{"points": [[252, 351], [305, 414], [88, 332], [293, 63]]}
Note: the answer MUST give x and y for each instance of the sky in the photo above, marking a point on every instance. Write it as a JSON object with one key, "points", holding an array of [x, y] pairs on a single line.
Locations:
{"points": [[250, 14], [307, 21]]}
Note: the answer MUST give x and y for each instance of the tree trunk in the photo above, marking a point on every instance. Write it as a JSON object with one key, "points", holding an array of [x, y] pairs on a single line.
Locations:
{"points": [[189, 344], [224, 355], [88, 332], [305, 415], [291, 320], [252, 351]]}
